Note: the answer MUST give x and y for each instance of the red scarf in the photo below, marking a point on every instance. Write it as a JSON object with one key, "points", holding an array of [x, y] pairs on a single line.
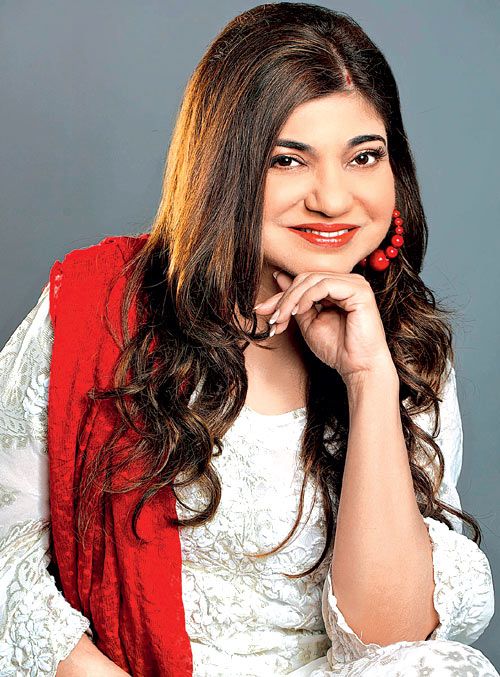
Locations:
{"points": [[131, 592]]}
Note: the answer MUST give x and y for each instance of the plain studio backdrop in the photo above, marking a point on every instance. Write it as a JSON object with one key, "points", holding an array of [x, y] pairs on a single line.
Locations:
{"points": [[89, 92]]}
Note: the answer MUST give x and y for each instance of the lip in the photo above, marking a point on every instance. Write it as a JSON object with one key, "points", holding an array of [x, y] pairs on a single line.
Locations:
{"points": [[326, 227], [327, 242]]}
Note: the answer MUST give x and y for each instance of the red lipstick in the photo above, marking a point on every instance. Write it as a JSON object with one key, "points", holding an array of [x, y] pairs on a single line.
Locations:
{"points": [[326, 227], [327, 241]]}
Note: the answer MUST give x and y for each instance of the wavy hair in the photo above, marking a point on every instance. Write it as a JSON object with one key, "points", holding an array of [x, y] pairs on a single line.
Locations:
{"points": [[201, 266]]}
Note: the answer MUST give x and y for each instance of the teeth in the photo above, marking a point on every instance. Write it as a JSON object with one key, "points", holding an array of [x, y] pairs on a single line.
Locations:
{"points": [[324, 234]]}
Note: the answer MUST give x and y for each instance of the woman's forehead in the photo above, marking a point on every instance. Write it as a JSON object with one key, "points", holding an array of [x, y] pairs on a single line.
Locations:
{"points": [[336, 118]]}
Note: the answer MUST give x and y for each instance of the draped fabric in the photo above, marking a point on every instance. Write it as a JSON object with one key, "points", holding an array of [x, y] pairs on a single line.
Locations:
{"points": [[129, 589], [242, 616]]}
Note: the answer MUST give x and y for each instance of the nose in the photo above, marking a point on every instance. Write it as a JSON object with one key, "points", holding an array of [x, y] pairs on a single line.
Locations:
{"points": [[330, 192]]}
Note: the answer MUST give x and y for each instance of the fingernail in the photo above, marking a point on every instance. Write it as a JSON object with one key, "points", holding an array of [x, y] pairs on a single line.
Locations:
{"points": [[259, 305], [276, 273], [273, 331], [274, 317], [294, 311]]}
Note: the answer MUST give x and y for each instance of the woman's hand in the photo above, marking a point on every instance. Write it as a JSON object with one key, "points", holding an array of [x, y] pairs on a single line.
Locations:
{"points": [[86, 659], [347, 334]]}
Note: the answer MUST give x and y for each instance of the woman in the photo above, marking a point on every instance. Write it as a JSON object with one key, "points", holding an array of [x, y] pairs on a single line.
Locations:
{"points": [[235, 488]]}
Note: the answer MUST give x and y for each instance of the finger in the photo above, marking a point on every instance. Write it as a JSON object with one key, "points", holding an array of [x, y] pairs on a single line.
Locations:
{"points": [[303, 320], [335, 292], [293, 299], [268, 305]]}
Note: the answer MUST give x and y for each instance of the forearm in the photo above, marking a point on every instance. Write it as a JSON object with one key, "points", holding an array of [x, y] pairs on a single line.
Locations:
{"points": [[382, 568], [86, 659]]}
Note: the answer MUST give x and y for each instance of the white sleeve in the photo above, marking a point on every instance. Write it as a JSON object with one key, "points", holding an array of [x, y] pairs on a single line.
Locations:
{"points": [[38, 626], [463, 594]]}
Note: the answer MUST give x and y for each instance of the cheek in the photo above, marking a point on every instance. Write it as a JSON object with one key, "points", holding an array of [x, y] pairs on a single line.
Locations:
{"points": [[381, 201], [383, 190], [277, 246], [279, 195], [270, 238], [388, 190]]}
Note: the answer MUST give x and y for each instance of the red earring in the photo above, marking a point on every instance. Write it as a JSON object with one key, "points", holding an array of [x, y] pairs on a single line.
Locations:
{"points": [[380, 259]]}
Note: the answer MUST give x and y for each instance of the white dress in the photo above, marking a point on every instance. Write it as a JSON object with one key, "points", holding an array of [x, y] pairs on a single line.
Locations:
{"points": [[243, 616]]}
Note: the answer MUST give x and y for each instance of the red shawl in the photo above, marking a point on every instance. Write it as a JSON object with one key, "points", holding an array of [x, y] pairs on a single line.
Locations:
{"points": [[130, 591]]}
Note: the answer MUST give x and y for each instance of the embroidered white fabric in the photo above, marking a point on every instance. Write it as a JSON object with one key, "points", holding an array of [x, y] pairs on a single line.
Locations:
{"points": [[242, 615]]}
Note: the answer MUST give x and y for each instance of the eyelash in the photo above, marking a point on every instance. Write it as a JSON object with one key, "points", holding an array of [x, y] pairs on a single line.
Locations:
{"points": [[378, 153]]}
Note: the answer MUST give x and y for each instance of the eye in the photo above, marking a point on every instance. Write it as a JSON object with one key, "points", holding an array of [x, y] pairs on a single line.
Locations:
{"points": [[376, 153], [278, 158]]}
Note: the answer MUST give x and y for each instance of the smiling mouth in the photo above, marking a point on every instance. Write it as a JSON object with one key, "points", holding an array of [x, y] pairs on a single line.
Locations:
{"points": [[327, 233], [325, 239], [326, 227]]}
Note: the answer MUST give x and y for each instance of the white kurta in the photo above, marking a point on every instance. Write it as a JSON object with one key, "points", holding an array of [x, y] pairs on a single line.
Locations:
{"points": [[243, 616]]}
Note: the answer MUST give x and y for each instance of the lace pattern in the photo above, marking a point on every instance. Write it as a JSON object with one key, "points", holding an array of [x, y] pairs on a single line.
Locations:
{"points": [[38, 627], [463, 598], [24, 386], [243, 615], [463, 594]]}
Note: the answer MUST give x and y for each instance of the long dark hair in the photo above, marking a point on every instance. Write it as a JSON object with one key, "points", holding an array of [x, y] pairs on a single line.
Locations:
{"points": [[202, 262]]}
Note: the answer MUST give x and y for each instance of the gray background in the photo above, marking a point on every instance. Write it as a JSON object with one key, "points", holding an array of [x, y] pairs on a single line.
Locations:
{"points": [[89, 93]]}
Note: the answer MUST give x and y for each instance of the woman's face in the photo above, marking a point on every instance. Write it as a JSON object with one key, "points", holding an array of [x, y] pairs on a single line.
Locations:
{"points": [[336, 181]]}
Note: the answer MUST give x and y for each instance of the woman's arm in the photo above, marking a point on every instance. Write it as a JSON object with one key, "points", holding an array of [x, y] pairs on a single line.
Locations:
{"points": [[382, 568], [38, 626], [86, 659], [463, 594]]}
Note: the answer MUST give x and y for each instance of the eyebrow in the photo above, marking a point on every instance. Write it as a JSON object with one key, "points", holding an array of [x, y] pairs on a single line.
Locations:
{"points": [[356, 141]]}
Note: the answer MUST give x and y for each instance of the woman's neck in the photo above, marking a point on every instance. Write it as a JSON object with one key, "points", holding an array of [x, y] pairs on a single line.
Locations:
{"points": [[277, 378]]}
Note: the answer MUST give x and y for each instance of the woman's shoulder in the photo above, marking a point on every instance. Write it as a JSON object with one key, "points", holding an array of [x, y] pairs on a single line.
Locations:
{"points": [[80, 279], [111, 247]]}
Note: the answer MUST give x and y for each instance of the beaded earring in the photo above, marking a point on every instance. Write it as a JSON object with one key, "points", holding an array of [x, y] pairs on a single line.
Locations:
{"points": [[379, 259]]}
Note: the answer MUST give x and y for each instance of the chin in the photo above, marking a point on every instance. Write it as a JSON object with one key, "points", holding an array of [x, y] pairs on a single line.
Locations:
{"points": [[341, 267]]}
